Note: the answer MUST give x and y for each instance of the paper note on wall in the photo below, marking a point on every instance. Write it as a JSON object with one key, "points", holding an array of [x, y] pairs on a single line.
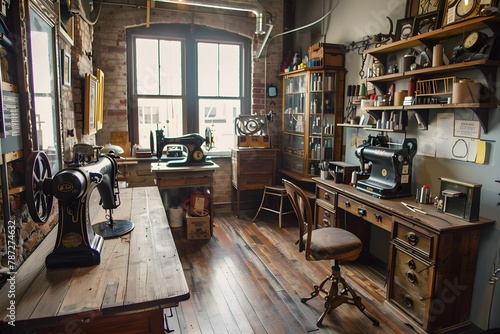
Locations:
{"points": [[481, 152]]}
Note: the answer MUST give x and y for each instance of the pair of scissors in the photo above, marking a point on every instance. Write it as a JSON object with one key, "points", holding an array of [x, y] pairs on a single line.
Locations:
{"points": [[413, 208]]}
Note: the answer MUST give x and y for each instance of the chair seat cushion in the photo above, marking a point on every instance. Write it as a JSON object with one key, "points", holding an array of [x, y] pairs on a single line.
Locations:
{"points": [[332, 243]]}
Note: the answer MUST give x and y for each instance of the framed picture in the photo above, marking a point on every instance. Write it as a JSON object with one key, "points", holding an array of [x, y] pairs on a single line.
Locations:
{"points": [[426, 23], [90, 104], [65, 67], [100, 100], [417, 8], [404, 28]]}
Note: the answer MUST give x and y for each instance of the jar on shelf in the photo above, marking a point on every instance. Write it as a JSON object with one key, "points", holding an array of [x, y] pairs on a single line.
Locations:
{"points": [[378, 68]]}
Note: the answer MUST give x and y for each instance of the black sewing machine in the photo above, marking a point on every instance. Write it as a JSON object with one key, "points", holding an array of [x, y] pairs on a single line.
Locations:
{"points": [[77, 244], [390, 168], [193, 154]]}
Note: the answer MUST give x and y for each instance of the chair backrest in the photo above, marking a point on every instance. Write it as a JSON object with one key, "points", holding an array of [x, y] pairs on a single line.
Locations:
{"points": [[302, 208]]}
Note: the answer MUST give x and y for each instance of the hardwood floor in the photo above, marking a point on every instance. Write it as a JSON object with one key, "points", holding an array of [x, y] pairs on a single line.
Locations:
{"points": [[249, 277]]}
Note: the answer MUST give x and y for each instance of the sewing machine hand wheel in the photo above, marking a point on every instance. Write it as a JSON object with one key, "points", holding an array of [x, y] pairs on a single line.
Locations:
{"points": [[37, 170]]}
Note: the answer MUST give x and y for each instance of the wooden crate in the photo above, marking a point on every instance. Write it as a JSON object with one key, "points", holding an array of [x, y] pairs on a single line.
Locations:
{"points": [[323, 54]]}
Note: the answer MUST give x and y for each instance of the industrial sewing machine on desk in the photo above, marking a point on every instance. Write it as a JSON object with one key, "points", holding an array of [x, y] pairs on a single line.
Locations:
{"points": [[78, 243], [390, 169], [190, 152]]}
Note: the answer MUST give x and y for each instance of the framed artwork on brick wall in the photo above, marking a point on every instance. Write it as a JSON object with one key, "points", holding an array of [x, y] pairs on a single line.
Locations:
{"points": [[90, 104]]}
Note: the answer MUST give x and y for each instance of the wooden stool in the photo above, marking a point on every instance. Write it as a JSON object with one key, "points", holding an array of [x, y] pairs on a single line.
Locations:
{"points": [[276, 191]]}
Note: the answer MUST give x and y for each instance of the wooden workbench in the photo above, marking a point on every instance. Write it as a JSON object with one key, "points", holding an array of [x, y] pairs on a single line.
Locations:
{"points": [[140, 274]]}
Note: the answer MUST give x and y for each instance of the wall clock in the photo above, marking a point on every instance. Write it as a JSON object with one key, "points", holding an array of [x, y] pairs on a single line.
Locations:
{"points": [[459, 10], [475, 45]]}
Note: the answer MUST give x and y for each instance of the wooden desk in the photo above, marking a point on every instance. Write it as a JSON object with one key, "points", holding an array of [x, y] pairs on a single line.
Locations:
{"points": [[140, 274], [432, 257], [187, 177]]}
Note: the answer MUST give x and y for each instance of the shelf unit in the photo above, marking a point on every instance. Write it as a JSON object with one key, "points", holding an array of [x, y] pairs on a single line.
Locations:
{"points": [[486, 67], [312, 106]]}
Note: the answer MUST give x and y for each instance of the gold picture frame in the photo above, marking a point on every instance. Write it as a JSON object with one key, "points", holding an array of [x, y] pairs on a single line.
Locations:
{"points": [[90, 104], [100, 100], [66, 67]]}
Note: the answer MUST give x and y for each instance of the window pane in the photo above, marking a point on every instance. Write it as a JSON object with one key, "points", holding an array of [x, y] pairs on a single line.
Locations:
{"points": [[170, 68], [219, 115], [229, 68], [156, 114], [146, 64], [42, 39], [208, 76]]}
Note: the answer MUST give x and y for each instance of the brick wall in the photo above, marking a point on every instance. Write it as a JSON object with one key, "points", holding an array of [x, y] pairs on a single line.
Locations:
{"points": [[109, 54]]}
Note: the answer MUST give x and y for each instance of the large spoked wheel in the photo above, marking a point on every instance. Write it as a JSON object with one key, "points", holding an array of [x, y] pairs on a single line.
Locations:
{"points": [[37, 170]]}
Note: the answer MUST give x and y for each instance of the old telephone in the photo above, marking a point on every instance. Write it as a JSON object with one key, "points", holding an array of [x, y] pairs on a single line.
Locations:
{"points": [[77, 243], [191, 152]]}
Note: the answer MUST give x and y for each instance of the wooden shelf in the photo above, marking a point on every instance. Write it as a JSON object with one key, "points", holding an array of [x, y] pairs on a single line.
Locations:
{"points": [[348, 125], [430, 38]]}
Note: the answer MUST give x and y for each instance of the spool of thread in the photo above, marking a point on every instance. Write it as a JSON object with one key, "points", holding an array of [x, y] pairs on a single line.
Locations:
{"points": [[437, 55], [362, 90], [399, 97], [466, 91], [411, 86]]}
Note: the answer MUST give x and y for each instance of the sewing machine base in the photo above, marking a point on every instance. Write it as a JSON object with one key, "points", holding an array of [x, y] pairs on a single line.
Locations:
{"points": [[117, 228], [81, 256], [382, 191]]}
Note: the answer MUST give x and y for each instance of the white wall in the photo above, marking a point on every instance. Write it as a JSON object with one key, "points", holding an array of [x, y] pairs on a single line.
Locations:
{"points": [[351, 21]]}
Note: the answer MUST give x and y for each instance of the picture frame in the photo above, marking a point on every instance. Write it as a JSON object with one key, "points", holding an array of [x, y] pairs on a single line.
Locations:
{"points": [[426, 23], [65, 68], [90, 104], [404, 28], [100, 100], [418, 8]]}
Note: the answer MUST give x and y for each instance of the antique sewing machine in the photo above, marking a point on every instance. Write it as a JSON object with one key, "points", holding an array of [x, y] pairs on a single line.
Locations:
{"points": [[389, 169], [187, 150], [77, 243]]}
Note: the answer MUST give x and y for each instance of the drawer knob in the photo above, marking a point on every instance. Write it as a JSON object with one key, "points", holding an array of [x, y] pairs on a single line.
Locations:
{"points": [[412, 238], [326, 222], [411, 264], [326, 214], [378, 217], [326, 196], [347, 204], [411, 277], [408, 301], [361, 212]]}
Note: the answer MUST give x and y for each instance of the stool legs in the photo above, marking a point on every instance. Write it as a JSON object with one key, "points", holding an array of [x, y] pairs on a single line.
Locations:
{"points": [[275, 192], [335, 298]]}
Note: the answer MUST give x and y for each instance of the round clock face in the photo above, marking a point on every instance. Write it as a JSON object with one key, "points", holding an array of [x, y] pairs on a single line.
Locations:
{"points": [[473, 41], [198, 155], [465, 7]]}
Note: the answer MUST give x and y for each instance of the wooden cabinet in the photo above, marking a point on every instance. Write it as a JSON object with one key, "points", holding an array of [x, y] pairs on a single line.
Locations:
{"points": [[312, 106], [452, 34], [431, 257], [251, 169]]}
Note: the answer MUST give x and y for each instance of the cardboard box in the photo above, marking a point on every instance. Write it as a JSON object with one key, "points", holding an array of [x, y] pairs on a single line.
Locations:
{"points": [[198, 227], [254, 141]]}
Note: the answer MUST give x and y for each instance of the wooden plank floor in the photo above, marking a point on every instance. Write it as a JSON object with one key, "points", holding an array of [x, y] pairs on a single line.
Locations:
{"points": [[249, 277]]}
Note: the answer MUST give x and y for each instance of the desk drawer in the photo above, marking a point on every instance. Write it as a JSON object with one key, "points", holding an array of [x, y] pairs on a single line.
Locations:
{"points": [[256, 165], [412, 274], [326, 195], [324, 217], [368, 213], [409, 302], [415, 238]]}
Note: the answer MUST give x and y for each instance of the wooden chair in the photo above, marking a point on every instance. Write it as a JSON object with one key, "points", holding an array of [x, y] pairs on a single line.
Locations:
{"points": [[329, 243]]}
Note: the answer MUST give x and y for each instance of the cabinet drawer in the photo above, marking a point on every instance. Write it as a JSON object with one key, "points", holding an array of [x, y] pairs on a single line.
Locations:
{"points": [[409, 301], [326, 195], [256, 165], [415, 238], [368, 213], [324, 217], [412, 274], [248, 182]]}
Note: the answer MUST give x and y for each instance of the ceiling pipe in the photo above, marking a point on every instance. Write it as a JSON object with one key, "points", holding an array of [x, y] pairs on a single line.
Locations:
{"points": [[253, 7]]}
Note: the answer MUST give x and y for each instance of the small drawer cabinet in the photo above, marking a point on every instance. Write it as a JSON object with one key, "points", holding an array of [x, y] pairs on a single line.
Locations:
{"points": [[251, 169]]}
